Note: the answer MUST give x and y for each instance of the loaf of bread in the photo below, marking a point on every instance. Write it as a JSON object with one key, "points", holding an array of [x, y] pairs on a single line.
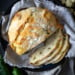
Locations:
{"points": [[49, 51], [30, 27]]}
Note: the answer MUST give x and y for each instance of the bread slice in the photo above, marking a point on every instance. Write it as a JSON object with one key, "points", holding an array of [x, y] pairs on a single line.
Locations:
{"points": [[63, 51], [51, 45]]}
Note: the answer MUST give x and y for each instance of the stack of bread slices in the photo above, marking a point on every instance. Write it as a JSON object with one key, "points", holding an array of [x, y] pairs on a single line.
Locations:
{"points": [[53, 51]]}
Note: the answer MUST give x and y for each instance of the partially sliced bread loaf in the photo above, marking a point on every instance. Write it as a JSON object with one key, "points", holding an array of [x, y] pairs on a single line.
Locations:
{"points": [[51, 45], [63, 51]]}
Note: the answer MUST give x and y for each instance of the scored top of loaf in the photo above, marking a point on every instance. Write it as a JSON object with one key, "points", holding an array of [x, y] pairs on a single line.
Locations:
{"points": [[29, 27]]}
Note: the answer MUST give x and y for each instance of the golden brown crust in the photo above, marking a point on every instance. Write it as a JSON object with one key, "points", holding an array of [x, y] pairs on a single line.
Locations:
{"points": [[30, 27]]}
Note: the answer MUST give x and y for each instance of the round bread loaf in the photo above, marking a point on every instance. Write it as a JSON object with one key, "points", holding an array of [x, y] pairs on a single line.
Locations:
{"points": [[30, 27]]}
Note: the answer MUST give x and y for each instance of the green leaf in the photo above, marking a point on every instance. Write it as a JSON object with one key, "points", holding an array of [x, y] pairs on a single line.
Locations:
{"points": [[17, 71], [3, 68]]}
